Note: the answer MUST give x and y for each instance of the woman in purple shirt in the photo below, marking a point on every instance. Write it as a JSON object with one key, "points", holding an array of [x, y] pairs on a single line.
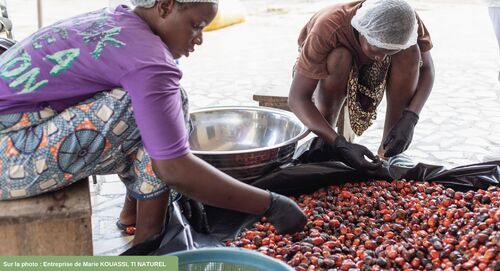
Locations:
{"points": [[99, 93]]}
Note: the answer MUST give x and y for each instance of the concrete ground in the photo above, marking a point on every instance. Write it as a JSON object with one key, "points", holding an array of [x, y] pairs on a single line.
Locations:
{"points": [[459, 125]]}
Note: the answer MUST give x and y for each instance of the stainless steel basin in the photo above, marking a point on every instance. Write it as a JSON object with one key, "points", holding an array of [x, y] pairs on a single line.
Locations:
{"points": [[245, 142]]}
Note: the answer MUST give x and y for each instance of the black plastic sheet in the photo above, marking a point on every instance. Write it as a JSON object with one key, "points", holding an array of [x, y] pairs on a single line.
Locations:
{"points": [[314, 167], [178, 234]]}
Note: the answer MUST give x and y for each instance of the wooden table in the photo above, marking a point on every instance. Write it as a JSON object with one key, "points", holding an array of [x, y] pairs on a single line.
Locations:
{"points": [[279, 99]]}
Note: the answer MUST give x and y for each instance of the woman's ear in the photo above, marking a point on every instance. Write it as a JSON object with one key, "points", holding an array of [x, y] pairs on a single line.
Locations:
{"points": [[165, 7]]}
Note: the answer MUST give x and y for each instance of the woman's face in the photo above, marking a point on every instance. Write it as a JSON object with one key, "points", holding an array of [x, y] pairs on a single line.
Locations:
{"points": [[180, 27], [373, 52]]}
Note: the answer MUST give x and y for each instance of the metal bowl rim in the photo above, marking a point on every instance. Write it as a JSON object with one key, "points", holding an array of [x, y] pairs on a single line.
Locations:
{"points": [[303, 133]]}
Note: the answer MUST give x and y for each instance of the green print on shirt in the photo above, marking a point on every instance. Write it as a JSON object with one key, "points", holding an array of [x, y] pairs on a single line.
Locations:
{"points": [[49, 37], [96, 32], [16, 67], [63, 60], [28, 79], [95, 26], [104, 37]]}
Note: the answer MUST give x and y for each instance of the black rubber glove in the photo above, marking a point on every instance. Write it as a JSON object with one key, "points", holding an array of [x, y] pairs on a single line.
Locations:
{"points": [[354, 155], [285, 214], [195, 213], [401, 134]]}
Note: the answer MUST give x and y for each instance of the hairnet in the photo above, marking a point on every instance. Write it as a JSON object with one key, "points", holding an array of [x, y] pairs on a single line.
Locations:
{"points": [[151, 3], [387, 24]]}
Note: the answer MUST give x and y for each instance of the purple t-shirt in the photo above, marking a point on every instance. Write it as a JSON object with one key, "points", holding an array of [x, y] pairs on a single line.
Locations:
{"points": [[72, 60]]}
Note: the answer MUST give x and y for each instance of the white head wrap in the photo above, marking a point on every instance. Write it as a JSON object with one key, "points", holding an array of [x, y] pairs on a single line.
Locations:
{"points": [[387, 24], [151, 3]]}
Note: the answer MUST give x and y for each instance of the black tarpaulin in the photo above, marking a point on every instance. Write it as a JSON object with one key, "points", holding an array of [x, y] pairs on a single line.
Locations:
{"points": [[312, 169]]}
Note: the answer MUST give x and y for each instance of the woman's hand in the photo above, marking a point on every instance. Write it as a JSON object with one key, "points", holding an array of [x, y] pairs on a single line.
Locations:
{"points": [[354, 155], [194, 212], [401, 134], [285, 214]]}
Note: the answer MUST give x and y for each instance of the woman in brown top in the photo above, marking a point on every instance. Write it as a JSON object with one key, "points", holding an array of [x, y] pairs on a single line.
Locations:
{"points": [[357, 51]]}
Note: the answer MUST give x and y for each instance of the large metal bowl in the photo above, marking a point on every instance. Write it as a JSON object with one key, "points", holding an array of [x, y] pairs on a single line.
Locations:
{"points": [[245, 142]]}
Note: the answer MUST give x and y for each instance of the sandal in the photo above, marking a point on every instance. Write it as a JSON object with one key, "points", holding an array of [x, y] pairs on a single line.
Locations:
{"points": [[127, 229]]}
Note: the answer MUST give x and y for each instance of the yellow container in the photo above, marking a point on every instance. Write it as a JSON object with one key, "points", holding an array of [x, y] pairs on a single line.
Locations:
{"points": [[230, 12]]}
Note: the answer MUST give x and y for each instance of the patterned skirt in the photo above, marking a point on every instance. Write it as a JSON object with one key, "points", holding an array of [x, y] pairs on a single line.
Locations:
{"points": [[46, 151]]}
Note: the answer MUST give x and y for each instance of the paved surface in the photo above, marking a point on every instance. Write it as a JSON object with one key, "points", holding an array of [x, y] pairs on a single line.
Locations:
{"points": [[459, 125]]}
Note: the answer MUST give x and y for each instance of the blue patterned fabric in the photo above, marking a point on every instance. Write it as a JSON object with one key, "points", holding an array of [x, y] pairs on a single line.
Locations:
{"points": [[45, 151]]}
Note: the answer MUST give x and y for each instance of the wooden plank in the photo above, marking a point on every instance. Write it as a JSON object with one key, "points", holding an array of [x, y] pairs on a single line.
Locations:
{"points": [[283, 106], [56, 223], [270, 99], [72, 201], [69, 236], [279, 99]]}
